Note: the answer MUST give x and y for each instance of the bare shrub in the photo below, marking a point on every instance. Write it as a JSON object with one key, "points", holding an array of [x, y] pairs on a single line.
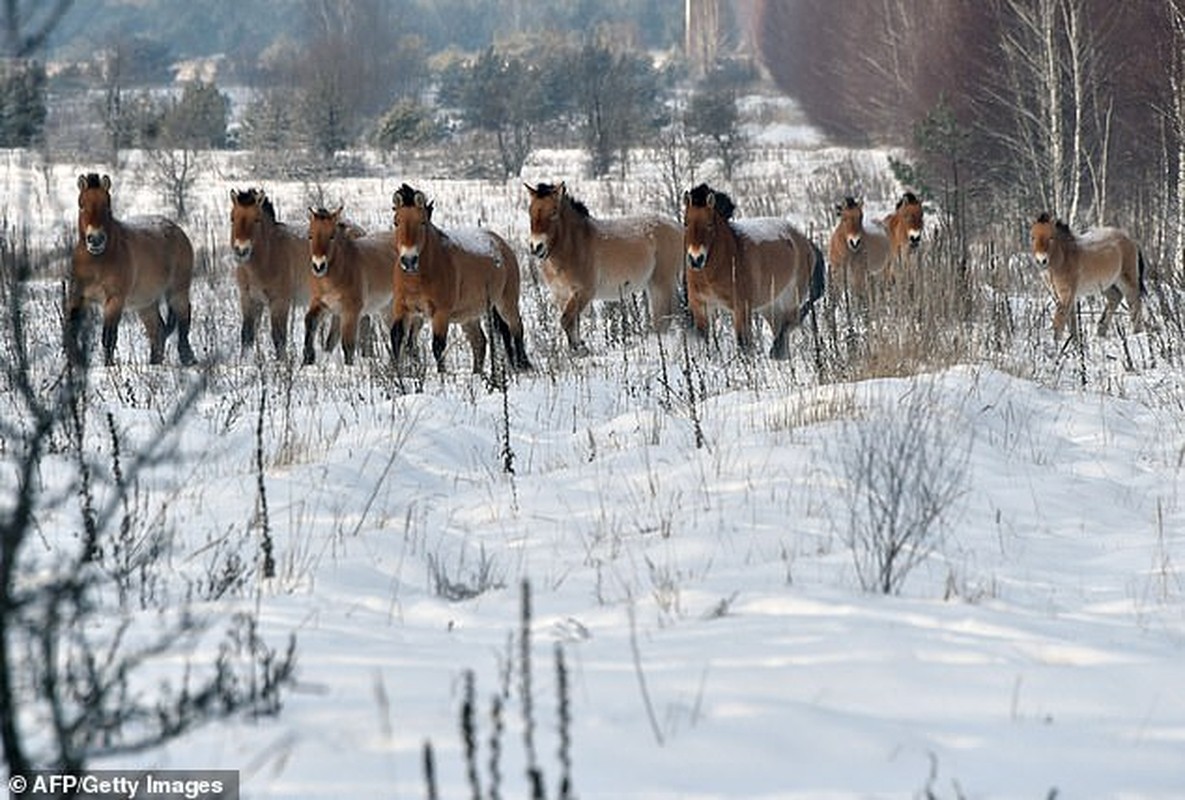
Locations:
{"points": [[905, 470]]}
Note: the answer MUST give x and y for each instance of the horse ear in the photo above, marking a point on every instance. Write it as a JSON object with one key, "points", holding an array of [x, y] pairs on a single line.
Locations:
{"points": [[421, 201], [710, 200], [530, 189], [105, 181], [396, 200], [686, 198], [562, 190]]}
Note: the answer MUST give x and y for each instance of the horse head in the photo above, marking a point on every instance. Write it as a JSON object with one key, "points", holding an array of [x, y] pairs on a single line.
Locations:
{"points": [[323, 230], [701, 207], [94, 211], [413, 215]]}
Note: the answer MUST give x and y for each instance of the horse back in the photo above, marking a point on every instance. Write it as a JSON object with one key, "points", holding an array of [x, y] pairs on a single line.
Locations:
{"points": [[631, 253], [778, 262], [484, 270], [1101, 257]]}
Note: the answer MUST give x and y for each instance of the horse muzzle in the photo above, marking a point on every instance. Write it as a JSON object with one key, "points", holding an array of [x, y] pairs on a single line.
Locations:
{"points": [[697, 260], [320, 266], [1042, 259], [854, 243], [96, 243], [915, 239], [410, 263], [538, 248], [242, 251]]}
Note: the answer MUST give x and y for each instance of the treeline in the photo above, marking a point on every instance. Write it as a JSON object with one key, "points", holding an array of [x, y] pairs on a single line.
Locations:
{"points": [[1072, 106]]}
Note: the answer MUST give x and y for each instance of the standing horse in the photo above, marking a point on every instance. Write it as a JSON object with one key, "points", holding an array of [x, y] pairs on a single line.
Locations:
{"points": [[905, 226], [857, 248], [453, 276], [273, 266], [1100, 261], [586, 259], [351, 277], [761, 265], [134, 265]]}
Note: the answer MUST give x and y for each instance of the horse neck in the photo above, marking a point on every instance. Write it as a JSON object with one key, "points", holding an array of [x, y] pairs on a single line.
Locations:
{"points": [[727, 249], [574, 228]]}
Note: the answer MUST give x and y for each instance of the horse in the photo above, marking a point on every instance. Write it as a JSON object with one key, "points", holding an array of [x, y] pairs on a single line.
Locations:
{"points": [[351, 277], [1100, 261], [857, 248], [905, 226], [452, 276], [761, 265], [132, 265], [586, 259], [273, 266]]}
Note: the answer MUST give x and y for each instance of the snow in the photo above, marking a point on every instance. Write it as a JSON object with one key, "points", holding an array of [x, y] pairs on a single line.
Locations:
{"points": [[1040, 646]]}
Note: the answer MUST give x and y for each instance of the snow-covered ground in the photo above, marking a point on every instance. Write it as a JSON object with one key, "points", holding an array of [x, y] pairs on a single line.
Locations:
{"points": [[719, 640]]}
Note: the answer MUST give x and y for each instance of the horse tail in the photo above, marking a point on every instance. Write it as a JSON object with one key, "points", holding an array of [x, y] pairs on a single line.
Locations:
{"points": [[1143, 269], [818, 281], [516, 350]]}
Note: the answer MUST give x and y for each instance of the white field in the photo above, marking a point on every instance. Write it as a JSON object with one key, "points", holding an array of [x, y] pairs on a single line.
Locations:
{"points": [[719, 640]]}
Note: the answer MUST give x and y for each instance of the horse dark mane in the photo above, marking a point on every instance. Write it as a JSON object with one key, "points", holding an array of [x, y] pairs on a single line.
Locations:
{"points": [[251, 197], [407, 196], [548, 189], [93, 181], [720, 201], [849, 202], [322, 213], [908, 197]]}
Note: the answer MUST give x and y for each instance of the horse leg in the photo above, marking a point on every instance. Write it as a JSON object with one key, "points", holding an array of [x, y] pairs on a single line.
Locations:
{"points": [[155, 328], [782, 325], [742, 323], [477, 342], [180, 312], [662, 305], [398, 336], [279, 326], [439, 338], [72, 329], [570, 322], [366, 336], [351, 321], [509, 323], [1063, 311], [1113, 296], [311, 318], [250, 308], [112, 313]]}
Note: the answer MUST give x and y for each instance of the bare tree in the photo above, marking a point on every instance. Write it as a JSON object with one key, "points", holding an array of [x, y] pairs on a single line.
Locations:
{"points": [[1176, 113], [28, 23]]}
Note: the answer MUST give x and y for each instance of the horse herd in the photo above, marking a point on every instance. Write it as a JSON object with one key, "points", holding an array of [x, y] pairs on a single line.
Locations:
{"points": [[418, 273]]}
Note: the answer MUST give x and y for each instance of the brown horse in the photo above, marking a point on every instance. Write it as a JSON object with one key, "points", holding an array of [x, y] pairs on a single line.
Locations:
{"points": [[905, 226], [586, 259], [351, 277], [857, 248], [1100, 261], [273, 266], [134, 265], [761, 265], [453, 276]]}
